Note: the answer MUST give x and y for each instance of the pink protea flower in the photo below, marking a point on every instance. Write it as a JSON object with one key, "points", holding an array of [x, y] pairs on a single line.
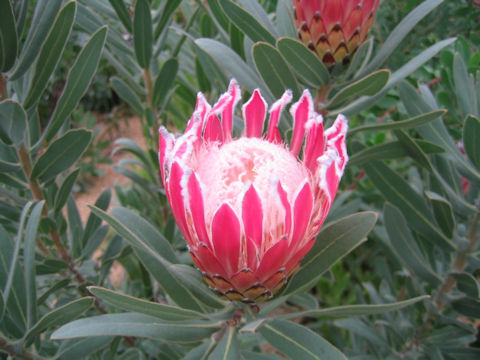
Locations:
{"points": [[249, 208], [334, 28]]}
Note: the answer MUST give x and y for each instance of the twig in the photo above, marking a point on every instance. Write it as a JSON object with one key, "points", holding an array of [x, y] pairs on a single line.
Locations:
{"points": [[16, 351]]}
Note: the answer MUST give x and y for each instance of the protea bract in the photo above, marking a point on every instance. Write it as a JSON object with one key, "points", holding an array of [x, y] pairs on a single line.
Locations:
{"points": [[334, 29], [249, 207]]}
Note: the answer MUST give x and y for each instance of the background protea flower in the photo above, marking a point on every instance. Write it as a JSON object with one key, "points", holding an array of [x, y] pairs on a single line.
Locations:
{"points": [[248, 208], [334, 28]]}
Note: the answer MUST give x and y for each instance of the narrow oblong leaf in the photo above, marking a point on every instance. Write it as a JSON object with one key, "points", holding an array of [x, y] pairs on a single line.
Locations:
{"points": [[298, 342], [13, 122], [334, 241], [122, 13], [164, 81], [400, 74], [65, 190], [400, 31], [304, 62], [78, 80], [464, 87], [200, 352], [80, 348], [348, 311], [370, 85], [403, 124], [232, 64], [61, 154], [396, 190], [471, 134], [93, 221], [167, 11], [227, 348], [130, 303], [390, 150], [405, 246], [42, 21], [60, 316], [443, 212], [8, 36], [246, 22], [142, 236], [467, 284], [29, 243], [436, 131], [142, 33], [138, 325], [274, 70], [127, 94], [51, 52]]}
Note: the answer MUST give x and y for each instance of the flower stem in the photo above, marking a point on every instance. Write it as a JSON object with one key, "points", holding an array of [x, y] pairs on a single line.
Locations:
{"points": [[17, 352], [460, 262]]}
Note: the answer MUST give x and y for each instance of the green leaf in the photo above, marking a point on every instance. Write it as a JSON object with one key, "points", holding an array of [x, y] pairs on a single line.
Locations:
{"points": [[471, 134], [467, 307], [138, 325], [246, 22], [42, 21], [227, 348], [142, 33], [65, 190], [256, 9], [370, 85], [411, 204], [122, 13], [467, 284], [8, 36], [60, 316], [400, 74], [127, 94], [93, 221], [9, 167], [304, 62], [61, 154], [390, 150], [232, 64], [93, 242], [153, 253], [130, 303], [249, 355], [337, 312], [399, 33], [201, 352], [274, 70], [80, 348], [436, 131], [403, 124], [51, 52], [2, 306], [78, 80], [405, 246], [12, 269], [443, 213], [464, 87], [334, 241], [298, 342], [413, 149], [29, 246], [168, 9], [75, 227], [13, 122], [164, 81]]}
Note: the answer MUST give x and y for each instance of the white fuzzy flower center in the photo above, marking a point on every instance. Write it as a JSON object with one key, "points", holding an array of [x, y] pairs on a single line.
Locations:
{"points": [[227, 170]]}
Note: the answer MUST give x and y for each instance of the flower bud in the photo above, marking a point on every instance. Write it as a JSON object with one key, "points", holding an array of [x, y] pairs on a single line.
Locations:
{"points": [[334, 29], [250, 208]]}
